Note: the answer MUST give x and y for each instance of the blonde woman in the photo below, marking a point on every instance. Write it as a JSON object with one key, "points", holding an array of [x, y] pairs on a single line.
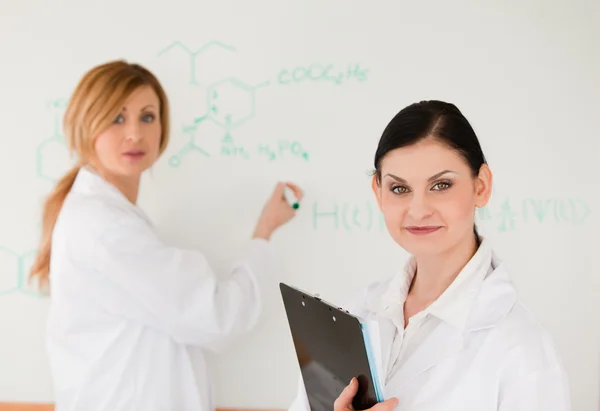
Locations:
{"points": [[125, 306]]}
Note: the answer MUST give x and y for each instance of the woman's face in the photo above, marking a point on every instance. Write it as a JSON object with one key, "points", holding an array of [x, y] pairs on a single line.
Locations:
{"points": [[428, 196], [132, 143]]}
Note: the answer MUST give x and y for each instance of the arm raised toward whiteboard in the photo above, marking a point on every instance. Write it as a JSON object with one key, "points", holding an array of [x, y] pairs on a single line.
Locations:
{"points": [[176, 291]]}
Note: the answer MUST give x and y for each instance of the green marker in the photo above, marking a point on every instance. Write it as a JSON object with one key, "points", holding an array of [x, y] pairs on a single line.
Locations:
{"points": [[291, 198]]}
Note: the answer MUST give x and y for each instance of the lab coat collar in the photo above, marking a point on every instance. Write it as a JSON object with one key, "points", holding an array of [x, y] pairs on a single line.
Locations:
{"points": [[453, 306], [89, 182], [495, 299], [491, 295]]}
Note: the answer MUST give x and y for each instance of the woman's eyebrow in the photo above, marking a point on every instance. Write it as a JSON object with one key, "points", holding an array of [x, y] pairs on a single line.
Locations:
{"points": [[433, 177]]}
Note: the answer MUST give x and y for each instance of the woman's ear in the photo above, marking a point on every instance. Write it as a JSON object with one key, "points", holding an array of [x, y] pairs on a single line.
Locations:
{"points": [[376, 186], [483, 186]]}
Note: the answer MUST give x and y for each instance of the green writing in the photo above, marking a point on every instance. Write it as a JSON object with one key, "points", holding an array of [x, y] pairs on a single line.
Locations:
{"points": [[14, 271], [194, 54], [60, 103], [509, 215], [279, 150], [321, 73], [347, 216], [312, 72], [190, 147], [52, 156], [231, 102]]}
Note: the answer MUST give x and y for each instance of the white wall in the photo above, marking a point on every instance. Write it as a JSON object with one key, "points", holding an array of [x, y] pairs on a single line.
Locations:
{"points": [[526, 73]]}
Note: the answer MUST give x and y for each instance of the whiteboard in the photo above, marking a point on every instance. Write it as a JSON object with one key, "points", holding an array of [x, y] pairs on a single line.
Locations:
{"points": [[270, 90]]}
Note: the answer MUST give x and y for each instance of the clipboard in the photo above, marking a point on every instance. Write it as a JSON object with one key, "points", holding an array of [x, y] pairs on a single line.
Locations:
{"points": [[332, 346]]}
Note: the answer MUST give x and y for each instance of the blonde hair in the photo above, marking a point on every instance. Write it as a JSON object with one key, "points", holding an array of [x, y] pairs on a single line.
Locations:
{"points": [[95, 102]]}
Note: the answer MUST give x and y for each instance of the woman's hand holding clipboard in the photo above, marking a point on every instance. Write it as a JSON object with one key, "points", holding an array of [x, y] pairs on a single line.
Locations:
{"points": [[332, 347], [344, 401]]}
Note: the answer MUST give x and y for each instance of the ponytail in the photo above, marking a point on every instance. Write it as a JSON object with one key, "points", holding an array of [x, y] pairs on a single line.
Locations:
{"points": [[51, 210], [97, 99]]}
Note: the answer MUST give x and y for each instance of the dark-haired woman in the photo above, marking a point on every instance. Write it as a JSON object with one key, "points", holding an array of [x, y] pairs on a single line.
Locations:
{"points": [[452, 332]]}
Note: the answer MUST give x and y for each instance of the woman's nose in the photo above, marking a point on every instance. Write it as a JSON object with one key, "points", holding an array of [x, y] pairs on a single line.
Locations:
{"points": [[419, 207], [133, 132]]}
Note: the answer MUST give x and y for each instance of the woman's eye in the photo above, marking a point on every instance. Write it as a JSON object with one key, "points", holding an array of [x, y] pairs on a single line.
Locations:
{"points": [[399, 189], [119, 119], [148, 118], [442, 185]]}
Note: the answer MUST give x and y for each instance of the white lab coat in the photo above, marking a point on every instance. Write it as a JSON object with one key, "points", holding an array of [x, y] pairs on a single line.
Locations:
{"points": [[126, 307], [500, 360]]}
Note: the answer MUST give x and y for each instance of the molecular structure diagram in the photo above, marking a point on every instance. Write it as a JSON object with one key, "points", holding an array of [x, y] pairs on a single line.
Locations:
{"points": [[14, 279], [52, 155], [230, 103]]}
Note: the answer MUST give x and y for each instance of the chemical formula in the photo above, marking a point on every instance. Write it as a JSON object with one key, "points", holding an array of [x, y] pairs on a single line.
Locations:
{"points": [[231, 102], [510, 215]]}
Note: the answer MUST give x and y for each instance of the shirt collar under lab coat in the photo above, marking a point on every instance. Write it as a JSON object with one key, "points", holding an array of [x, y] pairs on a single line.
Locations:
{"points": [[455, 303], [89, 182]]}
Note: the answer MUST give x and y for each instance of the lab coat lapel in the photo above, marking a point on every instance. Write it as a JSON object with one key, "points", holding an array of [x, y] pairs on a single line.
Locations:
{"points": [[444, 341], [387, 331]]}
